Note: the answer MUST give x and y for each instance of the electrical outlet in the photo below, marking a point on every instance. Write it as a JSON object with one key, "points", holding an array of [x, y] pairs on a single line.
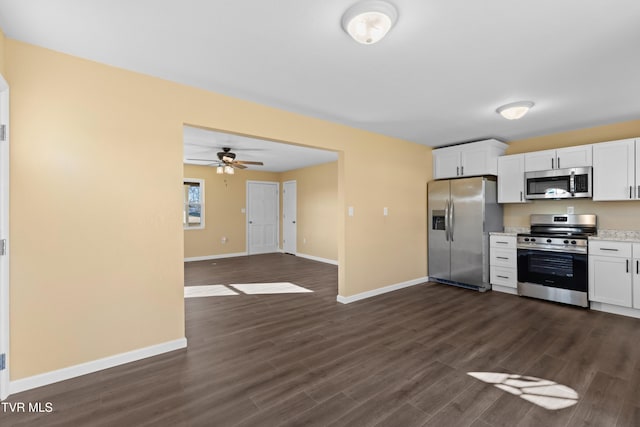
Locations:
{"points": [[224, 240], [304, 240]]}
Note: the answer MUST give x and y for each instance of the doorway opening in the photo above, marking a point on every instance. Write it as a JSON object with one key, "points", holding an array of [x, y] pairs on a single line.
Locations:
{"points": [[4, 238], [306, 225]]}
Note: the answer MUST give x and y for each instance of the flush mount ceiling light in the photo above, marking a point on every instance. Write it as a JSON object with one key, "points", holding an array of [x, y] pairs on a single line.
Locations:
{"points": [[369, 21], [515, 110]]}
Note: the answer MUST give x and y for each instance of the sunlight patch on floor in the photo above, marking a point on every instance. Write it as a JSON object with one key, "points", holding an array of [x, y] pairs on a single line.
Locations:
{"points": [[545, 393], [246, 288], [270, 288], [207, 291]]}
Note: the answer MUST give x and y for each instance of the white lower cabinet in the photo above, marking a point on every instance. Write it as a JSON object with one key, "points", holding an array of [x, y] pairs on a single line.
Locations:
{"points": [[503, 264], [614, 275], [635, 265]]}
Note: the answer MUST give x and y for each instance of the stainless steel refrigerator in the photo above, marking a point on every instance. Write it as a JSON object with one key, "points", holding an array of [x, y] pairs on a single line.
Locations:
{"points": [[462, 212]]}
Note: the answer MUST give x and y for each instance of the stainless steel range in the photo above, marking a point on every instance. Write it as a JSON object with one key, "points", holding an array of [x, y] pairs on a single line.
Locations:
{"points": [[552, 258]]}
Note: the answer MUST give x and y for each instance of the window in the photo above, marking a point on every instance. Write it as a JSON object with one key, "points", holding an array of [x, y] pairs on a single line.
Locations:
{"points": [[193, 203]]}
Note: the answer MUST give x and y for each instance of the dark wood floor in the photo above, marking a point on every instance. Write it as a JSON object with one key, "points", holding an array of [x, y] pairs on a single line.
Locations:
{"points": [[399, 359]]}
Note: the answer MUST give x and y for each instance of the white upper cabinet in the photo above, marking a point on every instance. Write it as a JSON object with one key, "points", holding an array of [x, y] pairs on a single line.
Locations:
{"points": [[511, 179], [472, 159], [570, 157], [574, 157], [615, 170], [446, 162], [637, 170], [540, 160]]}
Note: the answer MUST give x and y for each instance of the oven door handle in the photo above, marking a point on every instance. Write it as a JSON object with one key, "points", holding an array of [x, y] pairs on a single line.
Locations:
{"points": [[576, 251]]}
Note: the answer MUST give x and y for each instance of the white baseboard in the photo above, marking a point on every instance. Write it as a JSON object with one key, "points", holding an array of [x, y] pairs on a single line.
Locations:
{"points": [[208, 257], [317, 258], [47, 378], [383, 290], [505, 289], [615, 309]]}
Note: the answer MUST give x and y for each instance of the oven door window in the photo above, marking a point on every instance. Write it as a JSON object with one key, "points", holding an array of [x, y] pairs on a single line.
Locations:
{"points": [[554, 269]]}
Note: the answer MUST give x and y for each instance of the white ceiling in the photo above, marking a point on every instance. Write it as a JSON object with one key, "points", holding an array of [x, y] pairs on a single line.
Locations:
{"points": [[436, 79], [277, 157]]}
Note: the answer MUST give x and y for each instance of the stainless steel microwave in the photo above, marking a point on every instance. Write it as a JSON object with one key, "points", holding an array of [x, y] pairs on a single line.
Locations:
{"points": [[558, 183]]}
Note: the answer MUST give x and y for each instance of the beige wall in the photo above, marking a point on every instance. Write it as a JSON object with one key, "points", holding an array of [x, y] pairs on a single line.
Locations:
{"points": [[317, 209], [2, 52], [225, 197], [611, 215], [96, 192]]}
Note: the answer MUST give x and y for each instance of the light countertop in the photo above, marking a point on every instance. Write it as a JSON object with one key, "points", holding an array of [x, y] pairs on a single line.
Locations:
{"points": [[621, 235], [510, 231], [502, 233]]}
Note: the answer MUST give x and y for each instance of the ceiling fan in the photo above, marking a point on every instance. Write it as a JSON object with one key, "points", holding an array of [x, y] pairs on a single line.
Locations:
{"points": [[227, 162]]}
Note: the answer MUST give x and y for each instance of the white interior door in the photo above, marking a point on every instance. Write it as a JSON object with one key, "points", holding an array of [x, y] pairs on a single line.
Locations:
{"points": [[4, 239], [262, 217], [289, 217]]}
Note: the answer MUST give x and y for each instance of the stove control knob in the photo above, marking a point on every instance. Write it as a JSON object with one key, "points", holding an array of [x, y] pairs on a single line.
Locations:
{"points": [[526, 239], [548, 240], [573, 242], [533, 240], [566, 242]]}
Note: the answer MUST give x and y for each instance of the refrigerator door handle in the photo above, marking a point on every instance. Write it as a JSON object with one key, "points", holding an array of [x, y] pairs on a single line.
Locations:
{"points": [[451, 220], [446, 220]]}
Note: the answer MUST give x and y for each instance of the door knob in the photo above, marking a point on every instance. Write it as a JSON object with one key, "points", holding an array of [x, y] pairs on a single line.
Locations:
{"points": [[294, 222]]}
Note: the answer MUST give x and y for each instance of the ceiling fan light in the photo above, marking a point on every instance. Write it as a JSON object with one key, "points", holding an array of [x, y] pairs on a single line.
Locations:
{"points": [[515, 110], [368, 21], [219, 170], [229, 170]]}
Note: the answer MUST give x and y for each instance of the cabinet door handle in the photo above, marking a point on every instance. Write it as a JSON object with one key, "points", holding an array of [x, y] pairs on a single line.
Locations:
{"points": [[521, 194], [552, 163], [558, 162], [457, 170], [505, 243], [637, 267], [609, 249], [630, 190], [502, 257], [461, 170], [502, 277], [638, 192], [627, 266]]}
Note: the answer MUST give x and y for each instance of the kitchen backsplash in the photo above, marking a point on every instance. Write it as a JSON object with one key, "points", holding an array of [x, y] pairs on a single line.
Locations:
{"points": [[516, 230], [611, 215]]}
